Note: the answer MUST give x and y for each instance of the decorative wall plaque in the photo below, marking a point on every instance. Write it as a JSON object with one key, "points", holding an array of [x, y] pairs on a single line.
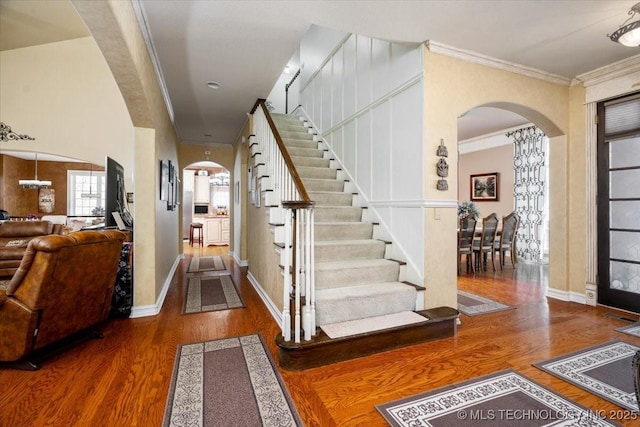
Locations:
{"points": [[442, 168]]}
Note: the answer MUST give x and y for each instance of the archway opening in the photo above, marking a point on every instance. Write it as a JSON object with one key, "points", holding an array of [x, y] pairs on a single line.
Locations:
{"points": [[206, 199], [499, 140]]}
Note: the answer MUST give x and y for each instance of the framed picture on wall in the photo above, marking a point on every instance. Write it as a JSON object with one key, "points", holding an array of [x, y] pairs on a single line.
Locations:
{"points": [[164, 180], [485, 187]]}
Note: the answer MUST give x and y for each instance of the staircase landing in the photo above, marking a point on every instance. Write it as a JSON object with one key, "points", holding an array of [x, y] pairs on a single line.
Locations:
{"points": [[439, 322]]}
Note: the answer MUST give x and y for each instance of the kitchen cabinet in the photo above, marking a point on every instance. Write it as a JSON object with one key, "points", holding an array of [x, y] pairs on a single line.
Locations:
{"points": [[215, 230], [202, 192]]}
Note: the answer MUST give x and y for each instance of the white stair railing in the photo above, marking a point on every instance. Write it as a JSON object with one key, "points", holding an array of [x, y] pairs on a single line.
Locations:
{"points": [[288, 194]]}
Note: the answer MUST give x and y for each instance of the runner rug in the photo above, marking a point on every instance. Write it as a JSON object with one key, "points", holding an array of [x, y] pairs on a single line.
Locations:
{"points": [[633, 329], [210, 294], [228, 382], [206, 263], [604, 370], [504, 398], [473, 305]]}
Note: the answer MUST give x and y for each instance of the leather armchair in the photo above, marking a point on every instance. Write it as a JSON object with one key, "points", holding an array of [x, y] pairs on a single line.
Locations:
{"points": [[64, 286], [14, 238]]}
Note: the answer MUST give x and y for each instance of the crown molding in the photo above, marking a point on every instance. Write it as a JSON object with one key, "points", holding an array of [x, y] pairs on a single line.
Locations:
{"points": [[609, 72], [490, 140], [151, 50], [488, 61]]}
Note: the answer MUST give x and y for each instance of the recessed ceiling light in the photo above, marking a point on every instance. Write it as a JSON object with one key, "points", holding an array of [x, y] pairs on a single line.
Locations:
{"points": [[213, 85], [208, 135]]}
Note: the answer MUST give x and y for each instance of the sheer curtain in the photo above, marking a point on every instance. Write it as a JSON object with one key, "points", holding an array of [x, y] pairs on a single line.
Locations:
{"points": [[530, 191]]}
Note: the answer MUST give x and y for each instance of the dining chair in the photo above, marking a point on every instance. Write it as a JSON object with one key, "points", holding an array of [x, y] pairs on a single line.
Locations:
{"points": [[507, 239], [466, 232], [484, 245]]}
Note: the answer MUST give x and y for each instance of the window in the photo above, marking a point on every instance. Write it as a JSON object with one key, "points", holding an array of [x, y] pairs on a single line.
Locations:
{"points": [[85, 193]]}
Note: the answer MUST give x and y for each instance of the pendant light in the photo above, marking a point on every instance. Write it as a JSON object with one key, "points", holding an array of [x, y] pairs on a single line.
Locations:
{"points": [[34, 183], [90, 194]]}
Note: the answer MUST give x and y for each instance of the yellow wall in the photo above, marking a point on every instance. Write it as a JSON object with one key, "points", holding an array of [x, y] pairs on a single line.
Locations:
{"points": [[452, 87]]}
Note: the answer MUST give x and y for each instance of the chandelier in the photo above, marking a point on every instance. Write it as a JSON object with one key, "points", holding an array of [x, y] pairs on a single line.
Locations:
{"points": [[7, 134], [628, 34], [34, 183]]}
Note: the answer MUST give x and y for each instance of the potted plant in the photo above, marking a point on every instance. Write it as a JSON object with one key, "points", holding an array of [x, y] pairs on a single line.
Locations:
{"points": [[467, 207]]}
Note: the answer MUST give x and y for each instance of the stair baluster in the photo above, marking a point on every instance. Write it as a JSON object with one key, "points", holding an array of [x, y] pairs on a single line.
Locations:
{"points": [[285, 190]]}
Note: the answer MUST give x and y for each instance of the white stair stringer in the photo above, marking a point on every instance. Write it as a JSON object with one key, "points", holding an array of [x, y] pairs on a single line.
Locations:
{"points": [[353, 278]]}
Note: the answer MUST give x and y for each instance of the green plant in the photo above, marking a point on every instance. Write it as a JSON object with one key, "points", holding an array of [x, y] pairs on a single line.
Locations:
{"points": [[467, 207]]}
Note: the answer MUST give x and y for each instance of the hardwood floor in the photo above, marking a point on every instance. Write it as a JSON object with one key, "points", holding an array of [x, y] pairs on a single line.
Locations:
{"points": [[123, 379]]}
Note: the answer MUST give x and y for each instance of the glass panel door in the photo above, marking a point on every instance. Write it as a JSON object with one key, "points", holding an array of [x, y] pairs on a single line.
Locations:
{"points": [[619, 204]]}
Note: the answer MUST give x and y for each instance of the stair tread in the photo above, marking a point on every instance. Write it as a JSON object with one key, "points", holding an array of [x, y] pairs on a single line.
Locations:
{"points": [[355, 263], [370, 324], [363, 289]]}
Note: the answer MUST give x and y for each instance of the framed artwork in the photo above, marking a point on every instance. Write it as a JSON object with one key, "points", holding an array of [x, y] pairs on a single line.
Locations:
{"points": [[46, 200], [485, 187], [164, 180]]}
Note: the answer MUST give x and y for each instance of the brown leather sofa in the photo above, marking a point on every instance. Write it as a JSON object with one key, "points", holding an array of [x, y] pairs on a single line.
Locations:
{"points": [[63, 288], [14, 237]]}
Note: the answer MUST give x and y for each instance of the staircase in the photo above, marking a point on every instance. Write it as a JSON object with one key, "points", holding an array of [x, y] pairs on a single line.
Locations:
{"points": [[358, 289]]}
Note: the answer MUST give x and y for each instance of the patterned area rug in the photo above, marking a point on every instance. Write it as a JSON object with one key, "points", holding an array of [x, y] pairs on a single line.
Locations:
{"points": [[604, 370], [633, 329], [228, 382], [206, 263], [473, 305], [210, 294], [504, 398]]}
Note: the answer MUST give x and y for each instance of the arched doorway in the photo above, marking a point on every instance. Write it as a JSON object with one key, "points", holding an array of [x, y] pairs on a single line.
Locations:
{"points": [[501, 141], [206, 199]]}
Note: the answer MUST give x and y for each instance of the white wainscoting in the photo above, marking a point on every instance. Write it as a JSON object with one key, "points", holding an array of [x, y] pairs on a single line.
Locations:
{"points": [[367, 103]]}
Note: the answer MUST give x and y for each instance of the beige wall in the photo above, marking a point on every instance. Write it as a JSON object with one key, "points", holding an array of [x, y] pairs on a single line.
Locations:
{"points": [[498, 159], [452, 87]]}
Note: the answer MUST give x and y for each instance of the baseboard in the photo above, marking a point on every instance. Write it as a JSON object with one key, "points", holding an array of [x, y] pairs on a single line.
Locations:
{"points": [[239, 262], [154, 309], [580, 298], [273, 309]]}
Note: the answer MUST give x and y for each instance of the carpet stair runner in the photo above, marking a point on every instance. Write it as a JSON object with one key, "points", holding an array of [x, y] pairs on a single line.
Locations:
{"points": [[354, 280]]}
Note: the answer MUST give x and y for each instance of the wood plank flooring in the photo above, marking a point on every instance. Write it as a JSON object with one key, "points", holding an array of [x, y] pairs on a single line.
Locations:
{"points": [[123, 379]]}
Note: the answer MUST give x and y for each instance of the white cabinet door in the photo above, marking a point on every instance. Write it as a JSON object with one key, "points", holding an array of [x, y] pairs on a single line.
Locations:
{"points": [[202, 191], [213, 232]]}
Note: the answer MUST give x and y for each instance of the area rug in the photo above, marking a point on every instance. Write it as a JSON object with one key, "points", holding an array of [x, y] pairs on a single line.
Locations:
{"points": [[633, 329], [473, 305], [206, 263], [228, 382], [211, 294], [604, 370], [504, 398]]}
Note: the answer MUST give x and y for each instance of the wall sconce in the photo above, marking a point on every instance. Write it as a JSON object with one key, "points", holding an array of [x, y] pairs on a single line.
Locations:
{"points": [[628, 34], [6, 134]]}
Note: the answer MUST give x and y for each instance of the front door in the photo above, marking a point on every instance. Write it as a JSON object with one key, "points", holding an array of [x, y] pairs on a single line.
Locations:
{"points": [[619, 203]]}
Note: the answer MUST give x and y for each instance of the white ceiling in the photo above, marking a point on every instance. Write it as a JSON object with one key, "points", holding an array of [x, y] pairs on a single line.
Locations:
{"points": [[244, 45]]}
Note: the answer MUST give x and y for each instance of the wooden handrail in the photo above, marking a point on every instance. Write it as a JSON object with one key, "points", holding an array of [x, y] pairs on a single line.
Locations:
{"points": [[285, 155]]}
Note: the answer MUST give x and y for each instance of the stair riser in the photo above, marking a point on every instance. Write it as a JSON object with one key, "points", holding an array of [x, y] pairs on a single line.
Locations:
{"points": [[359, 307], [338, 214], [349, 251], [305, 152], [298, 143], [323, 185], [301, 134], [311, 162], [328, 231], [331, 199], [316, 173], [326, 279]]}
